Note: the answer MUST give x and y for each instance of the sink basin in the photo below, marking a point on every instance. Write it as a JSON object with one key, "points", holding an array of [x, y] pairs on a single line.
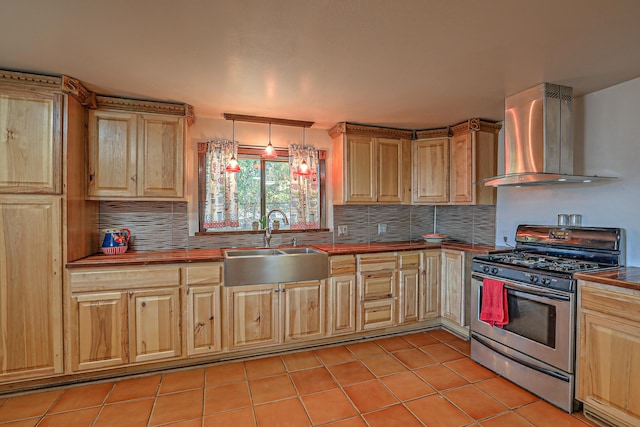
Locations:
{"points": [[252, 252], [292, 251], [263, 266]]}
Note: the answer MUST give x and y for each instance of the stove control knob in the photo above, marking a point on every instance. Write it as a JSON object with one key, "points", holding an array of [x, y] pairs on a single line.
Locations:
{"points": [[494, 270], [546, 281], [533, 279], [485, 269]]}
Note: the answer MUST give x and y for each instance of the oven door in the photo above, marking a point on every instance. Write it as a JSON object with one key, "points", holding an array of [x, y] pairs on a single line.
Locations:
{"points": [[541, 322]]}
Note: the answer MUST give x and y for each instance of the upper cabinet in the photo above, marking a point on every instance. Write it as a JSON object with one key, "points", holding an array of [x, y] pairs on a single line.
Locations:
{"points": [[449, 170], [135, 152], [30, 141], [369, 164]]}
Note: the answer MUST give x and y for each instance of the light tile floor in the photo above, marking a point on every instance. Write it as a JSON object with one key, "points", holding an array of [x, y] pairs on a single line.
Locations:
{"points": [[419, 379]]}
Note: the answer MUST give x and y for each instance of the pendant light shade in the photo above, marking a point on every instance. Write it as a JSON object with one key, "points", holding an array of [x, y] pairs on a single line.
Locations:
{"points": [[269, 151], [233, 165], [303, 168]]}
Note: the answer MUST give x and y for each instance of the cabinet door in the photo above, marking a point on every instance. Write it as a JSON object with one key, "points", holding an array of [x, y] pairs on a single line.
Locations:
{"points": [[430, 290], [30, 142], [30, 286], [389, 170], [342, 304], [203, 320], [409, 295], [252, 315], [160, 156], [462, 173], [112, 154], [609, 369], [361, 169], [452, 286], [154, 324], [430, 171], [304, 310], [99, 330]]}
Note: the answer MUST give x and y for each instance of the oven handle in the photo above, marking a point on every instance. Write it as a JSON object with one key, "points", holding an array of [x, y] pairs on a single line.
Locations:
{"points": [[522, 362], [530, 291]]}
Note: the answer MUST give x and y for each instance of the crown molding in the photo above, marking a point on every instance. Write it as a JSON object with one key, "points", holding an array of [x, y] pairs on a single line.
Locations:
{"points": [[75, 88], [52, 83], [142, 106], [375, 131], [473, 125], [433, 133]]}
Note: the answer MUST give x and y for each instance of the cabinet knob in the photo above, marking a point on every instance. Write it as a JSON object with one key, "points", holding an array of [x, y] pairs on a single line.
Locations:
{"points": [[144, 304], [134, 178]]}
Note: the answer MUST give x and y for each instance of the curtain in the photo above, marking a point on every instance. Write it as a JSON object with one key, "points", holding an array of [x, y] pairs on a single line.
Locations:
{"points": [[221, 191], [305, 190]]}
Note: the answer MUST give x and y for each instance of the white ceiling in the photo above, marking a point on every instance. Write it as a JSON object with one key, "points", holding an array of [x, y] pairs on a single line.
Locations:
{"points": [[401, 63]]}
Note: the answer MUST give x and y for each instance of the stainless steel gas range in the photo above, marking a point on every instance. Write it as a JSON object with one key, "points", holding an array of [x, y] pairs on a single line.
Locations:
{"points": [[536, 348]]}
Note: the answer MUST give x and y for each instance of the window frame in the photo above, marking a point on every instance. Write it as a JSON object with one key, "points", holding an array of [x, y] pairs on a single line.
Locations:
{"points": [[257, 151]]}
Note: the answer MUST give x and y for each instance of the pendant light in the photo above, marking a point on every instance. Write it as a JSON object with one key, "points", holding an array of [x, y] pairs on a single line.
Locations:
{"points": [[269, 151], [303, 167], [233, 165]]}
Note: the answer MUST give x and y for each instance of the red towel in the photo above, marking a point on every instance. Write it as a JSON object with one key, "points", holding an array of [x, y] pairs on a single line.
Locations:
{"points": [[495, 310]]}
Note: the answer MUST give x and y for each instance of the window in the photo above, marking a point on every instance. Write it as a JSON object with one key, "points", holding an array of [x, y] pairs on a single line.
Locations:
{"points": [[261, 186]]}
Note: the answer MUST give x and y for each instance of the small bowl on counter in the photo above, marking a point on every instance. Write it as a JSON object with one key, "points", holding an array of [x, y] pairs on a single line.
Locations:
{"points": [[433, 237], [114, 250]]}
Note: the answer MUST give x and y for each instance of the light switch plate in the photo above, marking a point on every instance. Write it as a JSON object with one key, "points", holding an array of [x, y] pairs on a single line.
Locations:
{"points": [[342, 230]]}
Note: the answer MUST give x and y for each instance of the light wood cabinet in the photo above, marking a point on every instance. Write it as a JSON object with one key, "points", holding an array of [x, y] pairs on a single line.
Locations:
{"points": [[124, 315], [409, 286], [430, 171], [30, 286], [341, 298], [154, 328], [303, 310], [30, 141], [377, 290], [99, 330], [369, 164], [203, 312], [452, 293], [252, 315], [430, 291], [473, 151], [449, 170], [135, 156], [608, 371]]}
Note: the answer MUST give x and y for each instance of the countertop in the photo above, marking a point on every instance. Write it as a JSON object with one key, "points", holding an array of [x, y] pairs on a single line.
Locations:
{"points": [[211, 255], [624, 277]]}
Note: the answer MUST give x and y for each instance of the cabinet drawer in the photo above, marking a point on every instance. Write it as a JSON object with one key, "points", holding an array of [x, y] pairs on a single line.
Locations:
{"points": [[109, 278], [207, 273], [617, 304], [409, 260], [342, 265], [377, 262], [378, 314], [377, 285]]}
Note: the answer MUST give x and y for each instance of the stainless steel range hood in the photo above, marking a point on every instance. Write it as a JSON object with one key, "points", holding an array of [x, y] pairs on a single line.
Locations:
{"points": [[538, 139]]}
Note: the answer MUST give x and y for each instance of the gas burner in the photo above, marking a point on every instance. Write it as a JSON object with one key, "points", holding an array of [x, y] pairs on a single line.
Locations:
{"points": [[543, 262]]}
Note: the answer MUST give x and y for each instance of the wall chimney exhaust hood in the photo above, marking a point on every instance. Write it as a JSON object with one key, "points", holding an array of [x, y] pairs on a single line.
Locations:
{"points": [[538, 139]]}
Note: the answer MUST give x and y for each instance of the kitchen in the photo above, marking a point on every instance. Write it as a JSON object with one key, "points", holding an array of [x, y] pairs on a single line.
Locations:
{"points": [[603, 115]]}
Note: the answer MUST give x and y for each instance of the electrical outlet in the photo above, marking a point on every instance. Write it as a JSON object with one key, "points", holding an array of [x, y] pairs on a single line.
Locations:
{"points": [[505, 239], [342, 230], [382, 228]]}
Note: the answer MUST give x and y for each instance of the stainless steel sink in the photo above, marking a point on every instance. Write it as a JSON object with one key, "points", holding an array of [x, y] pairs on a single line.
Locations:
{"points": [[262, 266]]}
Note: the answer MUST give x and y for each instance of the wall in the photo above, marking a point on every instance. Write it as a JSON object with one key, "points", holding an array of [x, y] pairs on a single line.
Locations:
{"points": [[607, 144]]}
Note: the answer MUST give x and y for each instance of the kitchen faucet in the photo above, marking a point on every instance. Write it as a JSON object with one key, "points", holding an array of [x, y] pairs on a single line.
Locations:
{"points": [[267, 230]]}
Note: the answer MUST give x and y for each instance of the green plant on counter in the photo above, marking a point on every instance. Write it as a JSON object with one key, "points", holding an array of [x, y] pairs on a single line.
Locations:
{"points": [[263, 222]]}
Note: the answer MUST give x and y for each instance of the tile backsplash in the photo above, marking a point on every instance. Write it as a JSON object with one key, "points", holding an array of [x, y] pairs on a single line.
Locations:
{"points": [[164, 225]]}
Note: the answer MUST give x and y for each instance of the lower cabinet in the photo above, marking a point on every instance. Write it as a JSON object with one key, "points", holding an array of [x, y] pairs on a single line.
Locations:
{"points": [[377, 290], [341, 295], [453, 289], [203, 314], [122, 316], [409, 283], [608, 372], [268, 314], [430, 290]]}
